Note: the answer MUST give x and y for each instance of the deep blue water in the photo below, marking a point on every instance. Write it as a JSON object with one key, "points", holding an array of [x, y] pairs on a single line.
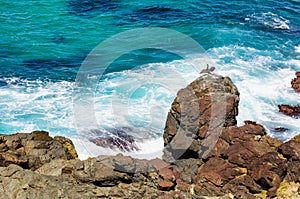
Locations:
{"points": [[43, 43]]}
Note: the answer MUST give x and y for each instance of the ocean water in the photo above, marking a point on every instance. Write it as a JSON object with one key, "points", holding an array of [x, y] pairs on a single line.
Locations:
{"points": [[43, 43]]}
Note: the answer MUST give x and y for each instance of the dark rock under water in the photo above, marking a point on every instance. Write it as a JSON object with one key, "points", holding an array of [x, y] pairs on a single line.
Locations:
{"points": [[115, 138], [51, 68], [3, 83], [155, 14], [90, 8]]}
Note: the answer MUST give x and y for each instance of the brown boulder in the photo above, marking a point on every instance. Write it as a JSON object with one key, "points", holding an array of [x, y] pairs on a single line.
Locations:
{"points": [[167, 173], [190, 131], [296, 82], [289, 110], [32, 150]]}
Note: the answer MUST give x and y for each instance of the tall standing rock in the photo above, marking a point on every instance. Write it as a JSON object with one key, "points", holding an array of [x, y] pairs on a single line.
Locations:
{"points": [[198, 115]]}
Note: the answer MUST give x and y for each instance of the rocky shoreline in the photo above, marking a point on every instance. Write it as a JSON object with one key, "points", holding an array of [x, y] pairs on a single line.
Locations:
{"points": [[292, 110], [215, 158]]}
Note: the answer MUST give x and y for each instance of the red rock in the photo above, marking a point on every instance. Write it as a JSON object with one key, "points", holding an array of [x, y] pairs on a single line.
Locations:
{"points": [[176, 174], [268, 171], [219, 171], [219, 148], [242, 153], [167, 173], [213, 177], [165, 185], [191, 113]]}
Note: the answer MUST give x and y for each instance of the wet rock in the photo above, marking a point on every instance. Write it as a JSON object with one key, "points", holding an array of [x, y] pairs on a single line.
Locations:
{"points": [[289, 110], [197, 116], [280, 129], [116, 139], [68, 144], [296, 82]]}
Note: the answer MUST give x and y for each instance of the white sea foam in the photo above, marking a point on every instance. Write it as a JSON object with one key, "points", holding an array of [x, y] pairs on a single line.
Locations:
{"points": [[270, 20], [297, 49], [264, 83], [149, 149]]}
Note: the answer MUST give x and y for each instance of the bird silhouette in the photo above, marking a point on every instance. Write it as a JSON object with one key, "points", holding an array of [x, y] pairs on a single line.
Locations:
{"points": [[208, 69]]}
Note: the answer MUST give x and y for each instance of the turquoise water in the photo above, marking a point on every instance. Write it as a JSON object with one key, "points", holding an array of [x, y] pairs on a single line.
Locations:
{"points": [[43, 43]]}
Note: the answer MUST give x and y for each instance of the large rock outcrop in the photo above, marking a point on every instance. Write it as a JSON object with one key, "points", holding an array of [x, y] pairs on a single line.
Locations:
{"points": [[197, 116], [243, 161]]}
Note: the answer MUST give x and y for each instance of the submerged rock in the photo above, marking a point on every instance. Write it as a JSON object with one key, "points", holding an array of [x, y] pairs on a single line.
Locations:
{"points": [[116, 139], [91, 8], [280, 129]]}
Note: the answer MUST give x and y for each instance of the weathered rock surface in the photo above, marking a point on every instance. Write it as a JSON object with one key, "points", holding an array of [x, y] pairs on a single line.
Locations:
{"points": [[197, 116], [296, 82], [31, 151], [244, 162]]}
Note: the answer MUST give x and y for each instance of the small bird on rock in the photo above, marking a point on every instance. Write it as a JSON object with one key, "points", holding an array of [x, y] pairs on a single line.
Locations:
{"points": [[208, 69]]}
